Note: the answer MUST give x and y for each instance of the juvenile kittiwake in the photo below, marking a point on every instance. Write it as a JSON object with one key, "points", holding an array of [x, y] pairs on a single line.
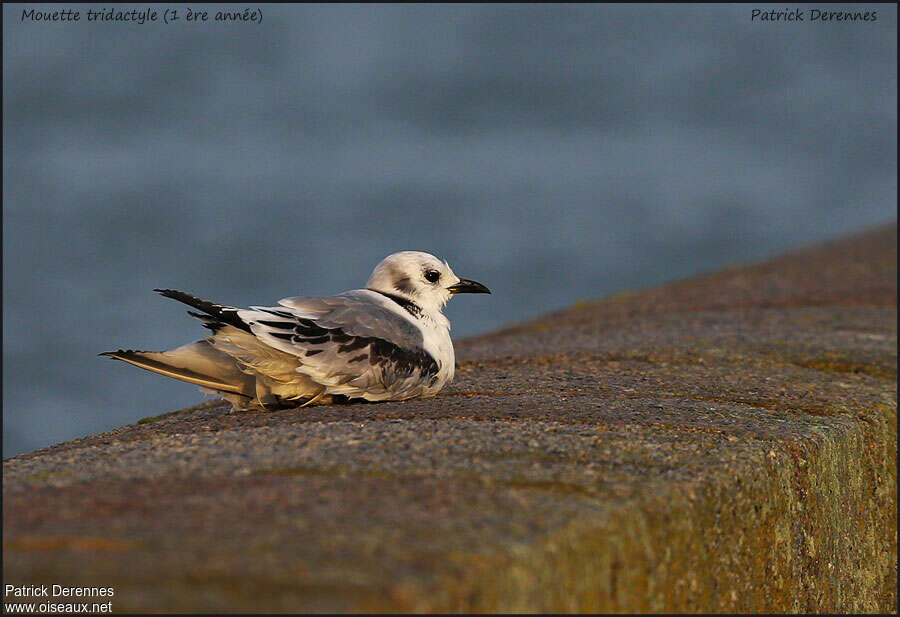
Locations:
{"points": [[387, 342]]}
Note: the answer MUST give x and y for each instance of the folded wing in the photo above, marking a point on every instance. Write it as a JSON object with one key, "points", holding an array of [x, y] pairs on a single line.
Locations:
{"points": [[352, 343]]}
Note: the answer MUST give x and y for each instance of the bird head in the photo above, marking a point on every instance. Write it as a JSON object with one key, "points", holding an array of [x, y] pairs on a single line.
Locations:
{"points": [[420, 278]]}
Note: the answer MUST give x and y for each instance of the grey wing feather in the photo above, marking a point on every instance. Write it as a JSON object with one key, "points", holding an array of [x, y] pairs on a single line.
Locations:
{"points": [[360, 313], [352, 343]]}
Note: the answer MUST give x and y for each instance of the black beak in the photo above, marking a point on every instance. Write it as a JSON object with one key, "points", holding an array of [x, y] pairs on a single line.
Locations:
{"points": [[465, 286]]}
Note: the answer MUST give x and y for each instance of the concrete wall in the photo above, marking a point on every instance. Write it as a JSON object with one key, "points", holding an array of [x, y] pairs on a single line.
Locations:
{"points": [[726, 443]]}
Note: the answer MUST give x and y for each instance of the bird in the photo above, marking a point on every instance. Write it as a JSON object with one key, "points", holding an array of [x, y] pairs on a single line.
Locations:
{"points": [[387, 342]]}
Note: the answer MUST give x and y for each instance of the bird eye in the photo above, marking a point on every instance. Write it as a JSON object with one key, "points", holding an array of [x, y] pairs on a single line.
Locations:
{"points": [[432, 276]]}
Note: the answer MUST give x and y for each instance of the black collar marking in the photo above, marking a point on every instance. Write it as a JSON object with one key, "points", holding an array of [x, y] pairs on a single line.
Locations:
{"points": [[411, 307]]}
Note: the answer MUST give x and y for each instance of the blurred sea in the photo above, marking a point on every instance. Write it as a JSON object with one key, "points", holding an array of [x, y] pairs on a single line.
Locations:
{"points": [[552, 152]]}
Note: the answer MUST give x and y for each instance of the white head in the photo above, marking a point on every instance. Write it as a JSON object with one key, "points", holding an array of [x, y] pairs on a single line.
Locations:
{"points": [[420, 278]]}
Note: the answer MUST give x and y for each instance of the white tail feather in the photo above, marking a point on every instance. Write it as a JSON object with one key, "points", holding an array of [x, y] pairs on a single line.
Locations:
{"points": [[196, 363]]}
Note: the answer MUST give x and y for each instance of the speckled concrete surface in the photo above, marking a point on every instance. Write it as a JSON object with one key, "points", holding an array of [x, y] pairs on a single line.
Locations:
{"points": [[725, 443]]}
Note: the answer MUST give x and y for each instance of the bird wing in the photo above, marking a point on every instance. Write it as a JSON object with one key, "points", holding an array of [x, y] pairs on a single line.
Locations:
{"points": [[353, 343]]}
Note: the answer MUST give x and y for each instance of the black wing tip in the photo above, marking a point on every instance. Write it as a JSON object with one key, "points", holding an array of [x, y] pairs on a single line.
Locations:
{"points": [[178, 295], [174, 293], [220, 313]]}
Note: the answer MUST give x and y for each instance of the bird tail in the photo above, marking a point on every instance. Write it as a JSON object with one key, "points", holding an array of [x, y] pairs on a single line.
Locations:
{"points": [[197, 363]]}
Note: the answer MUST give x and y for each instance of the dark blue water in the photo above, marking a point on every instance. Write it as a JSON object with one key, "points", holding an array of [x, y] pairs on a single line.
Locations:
{"points": [[555, 153]]}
